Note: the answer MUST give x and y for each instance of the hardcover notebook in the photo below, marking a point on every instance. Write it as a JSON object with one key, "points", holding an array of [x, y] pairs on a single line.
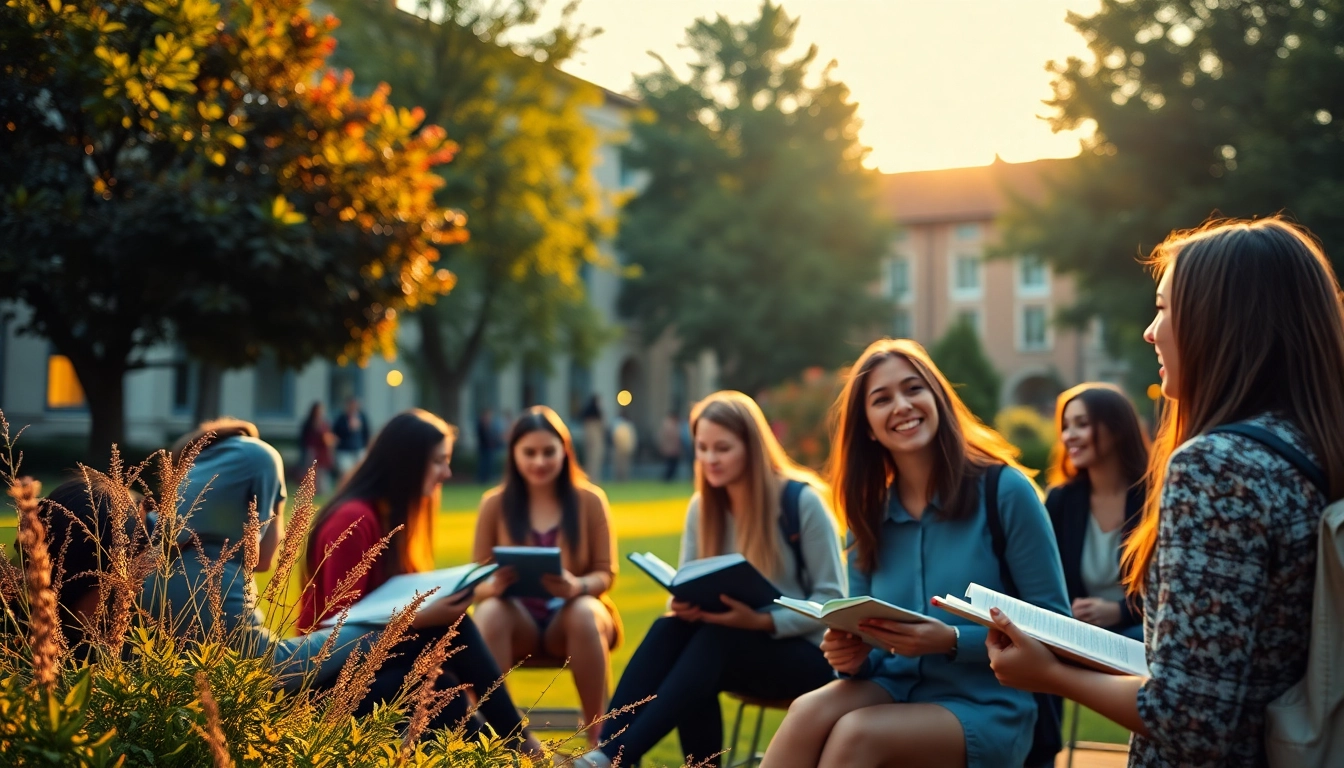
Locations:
{"points": [[700, 582], [1069, 638], [846, 613], [379, 606], [531, 563]]}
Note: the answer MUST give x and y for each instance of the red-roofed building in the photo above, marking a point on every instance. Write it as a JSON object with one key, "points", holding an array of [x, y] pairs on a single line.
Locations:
{"points": [[938, 273]]}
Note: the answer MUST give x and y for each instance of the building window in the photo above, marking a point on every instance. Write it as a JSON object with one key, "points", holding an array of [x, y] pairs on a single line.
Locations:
{"points": [[900, 278], [901, 326], [967, 232], [186, 375], [1035, 333], [274, 388], [343, 382], [1033, 276], [63, 388], [534, 385], [966, 277]]}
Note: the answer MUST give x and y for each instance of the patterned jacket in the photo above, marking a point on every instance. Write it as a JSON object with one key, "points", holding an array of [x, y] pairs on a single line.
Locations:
{"points": [[1228, 604]]}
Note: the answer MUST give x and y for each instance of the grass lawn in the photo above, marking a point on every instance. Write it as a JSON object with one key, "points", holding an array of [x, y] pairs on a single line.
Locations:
{"points": [[648, 517]]}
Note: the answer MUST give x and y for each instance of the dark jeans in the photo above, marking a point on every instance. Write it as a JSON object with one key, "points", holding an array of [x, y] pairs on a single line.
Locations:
{"points": [[471, 665], [686, 665], [670, 468]]}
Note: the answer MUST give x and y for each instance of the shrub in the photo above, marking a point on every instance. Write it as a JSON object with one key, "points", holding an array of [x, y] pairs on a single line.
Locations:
{"points": [[798, 412], [1032, 433], [961, 357]]}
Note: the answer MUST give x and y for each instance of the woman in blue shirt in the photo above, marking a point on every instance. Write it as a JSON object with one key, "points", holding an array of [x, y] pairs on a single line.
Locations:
{"points": [[908, 468]]}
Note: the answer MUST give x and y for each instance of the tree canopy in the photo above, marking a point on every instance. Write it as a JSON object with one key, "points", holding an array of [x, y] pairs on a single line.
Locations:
{"points": [[523, 174], [962, 359], [178, 170], [757, 235], [1201, 108]]}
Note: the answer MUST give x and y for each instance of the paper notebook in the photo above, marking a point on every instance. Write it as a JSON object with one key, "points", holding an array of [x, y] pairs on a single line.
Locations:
{"points": [[846, 613], [381, 604]]}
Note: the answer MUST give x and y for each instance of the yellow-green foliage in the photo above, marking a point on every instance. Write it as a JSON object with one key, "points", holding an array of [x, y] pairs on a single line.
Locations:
{"points": [[1032, 432]]}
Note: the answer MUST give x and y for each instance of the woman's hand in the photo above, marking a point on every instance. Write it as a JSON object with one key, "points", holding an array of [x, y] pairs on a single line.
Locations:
{"points": [[443, 611], [739, 615], [1096, 611], [499, 581], [921, 639], [844, 652], [1020, 661], [564, 585], [685, 611]]}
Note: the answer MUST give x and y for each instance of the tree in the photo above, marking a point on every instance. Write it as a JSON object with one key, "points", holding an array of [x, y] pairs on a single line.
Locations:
{"points": [[178, 170], [1233, 108], [523, 174], [962, 360], [758, 234]]}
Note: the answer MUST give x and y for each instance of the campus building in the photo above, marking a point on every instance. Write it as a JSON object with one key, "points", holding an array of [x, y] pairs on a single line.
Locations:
{"points": [[938, 273]]}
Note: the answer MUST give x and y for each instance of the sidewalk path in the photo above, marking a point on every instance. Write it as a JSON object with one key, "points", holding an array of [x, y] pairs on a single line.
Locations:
{"points": [[1094, 758]]}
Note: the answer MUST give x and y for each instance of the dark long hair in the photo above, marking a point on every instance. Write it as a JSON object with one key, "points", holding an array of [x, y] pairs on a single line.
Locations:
{"points": [[862, 470], [392, 477], [517, 518], [1258, 326], [1107, 409]]}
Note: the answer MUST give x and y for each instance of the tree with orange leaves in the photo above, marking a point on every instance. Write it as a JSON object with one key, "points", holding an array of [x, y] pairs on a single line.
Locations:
{"points": [[189, 171]]}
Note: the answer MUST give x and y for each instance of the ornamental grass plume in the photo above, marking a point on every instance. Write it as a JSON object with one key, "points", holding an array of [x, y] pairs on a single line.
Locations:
{"points": [[44, 626], [212, 732], [429, 702]]}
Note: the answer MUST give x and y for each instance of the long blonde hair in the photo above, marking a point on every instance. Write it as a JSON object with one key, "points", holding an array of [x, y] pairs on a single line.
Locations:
{"points": [[1258, 325], [767, 467]]}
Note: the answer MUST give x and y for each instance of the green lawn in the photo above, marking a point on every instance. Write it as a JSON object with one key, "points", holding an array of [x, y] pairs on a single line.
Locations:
{"points": [[648, 517]]}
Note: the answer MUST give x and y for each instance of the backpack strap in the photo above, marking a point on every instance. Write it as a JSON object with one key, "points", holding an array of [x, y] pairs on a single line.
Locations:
{"points": [[790, 524], [1299, 460], [998, 539]]}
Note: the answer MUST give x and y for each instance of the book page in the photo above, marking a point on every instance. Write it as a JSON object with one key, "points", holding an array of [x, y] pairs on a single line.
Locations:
{"points": [[697, 568], [1067, 632], [805, 607], [846, 614], [379, 605], [656, 567]]}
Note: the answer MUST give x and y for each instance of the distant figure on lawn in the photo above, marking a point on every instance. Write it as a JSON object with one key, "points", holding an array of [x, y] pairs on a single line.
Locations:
{"points": [[487, 445], [352, 436], [546, 501], [624, 443], [690, 655], [316, 445], [594, 438], [669, 446]]}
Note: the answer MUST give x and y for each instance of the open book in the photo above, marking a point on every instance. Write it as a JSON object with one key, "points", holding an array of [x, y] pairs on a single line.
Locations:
{"points": [[1069, 638], [846, 613], [700, 582], [379, 606], [531, 563]]}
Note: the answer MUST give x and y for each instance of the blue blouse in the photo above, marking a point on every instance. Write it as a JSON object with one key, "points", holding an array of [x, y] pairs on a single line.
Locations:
{"points": [[920, 558]]}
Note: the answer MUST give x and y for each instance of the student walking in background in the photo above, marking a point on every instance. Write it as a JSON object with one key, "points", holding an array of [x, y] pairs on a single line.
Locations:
{"points": [[316, 443], [1249, 331], [352, 436], [624, 443], [594, 438], [909, 468], [546, 501], [1097, 493], [690, 656], [669, 446], [487, 445], [398, 484]]}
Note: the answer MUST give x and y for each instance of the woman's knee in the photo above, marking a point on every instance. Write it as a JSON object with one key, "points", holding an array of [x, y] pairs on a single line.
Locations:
{"points": [[494, 617], [818, 709]]}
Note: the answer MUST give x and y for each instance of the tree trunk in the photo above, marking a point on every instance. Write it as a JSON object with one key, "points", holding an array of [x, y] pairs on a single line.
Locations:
{"points": [[105, 394], [209, 383], [445, 380]]}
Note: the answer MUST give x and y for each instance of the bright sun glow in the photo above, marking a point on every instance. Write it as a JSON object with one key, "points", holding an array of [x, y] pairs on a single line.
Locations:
{"points": [[394, 378], [624, 398]]}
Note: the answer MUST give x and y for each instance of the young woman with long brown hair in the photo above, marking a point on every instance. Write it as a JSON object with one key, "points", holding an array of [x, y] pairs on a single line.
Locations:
{"points": [[909, 464], [691, 655], [397, 483], [547, 501], [1249, 329], [1095, 499]]}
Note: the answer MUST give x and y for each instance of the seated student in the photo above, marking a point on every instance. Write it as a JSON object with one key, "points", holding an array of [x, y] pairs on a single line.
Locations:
{"points": [[690, 655], [397, 483], [1248, 330], [546, 501], [1094, 504], [908, 465]]}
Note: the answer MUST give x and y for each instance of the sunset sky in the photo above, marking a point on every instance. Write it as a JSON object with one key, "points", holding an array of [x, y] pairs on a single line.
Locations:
{"points": [[940, 83]]}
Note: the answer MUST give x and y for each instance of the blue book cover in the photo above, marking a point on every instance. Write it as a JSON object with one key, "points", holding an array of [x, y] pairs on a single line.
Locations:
{"points": [[531, 563]]}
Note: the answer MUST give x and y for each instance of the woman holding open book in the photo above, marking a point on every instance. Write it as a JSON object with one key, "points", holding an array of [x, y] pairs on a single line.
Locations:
{"points": [[1097, 477], [396, 486], [692, 655], [547, 501], [909, 467], [1249, 332]]}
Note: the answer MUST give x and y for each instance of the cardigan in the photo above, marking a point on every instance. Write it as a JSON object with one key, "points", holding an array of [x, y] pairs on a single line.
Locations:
{"points": [[1069, 506], [593, 555]]}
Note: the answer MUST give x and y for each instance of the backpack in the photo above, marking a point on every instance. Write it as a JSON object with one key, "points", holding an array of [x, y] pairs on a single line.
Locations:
{"points": [[790, 524], [1304, 727], [1047, 739]]}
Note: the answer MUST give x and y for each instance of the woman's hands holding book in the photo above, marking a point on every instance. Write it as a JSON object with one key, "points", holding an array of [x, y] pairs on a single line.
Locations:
{"points": [[739, 615], [498, 582], [922, 639], [1096, 611], [844, 652], [443, 611], [1020, 661], [564, 585]]}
